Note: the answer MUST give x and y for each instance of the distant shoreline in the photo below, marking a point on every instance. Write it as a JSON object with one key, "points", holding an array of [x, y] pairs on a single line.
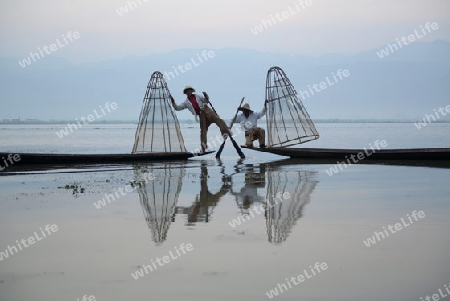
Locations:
{"points": [[64, 122]]}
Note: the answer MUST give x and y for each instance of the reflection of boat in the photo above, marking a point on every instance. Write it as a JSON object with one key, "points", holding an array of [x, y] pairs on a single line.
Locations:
{"points": [[55, 159], [364, 154], [288, 192], [419, 163], [159, 197]]}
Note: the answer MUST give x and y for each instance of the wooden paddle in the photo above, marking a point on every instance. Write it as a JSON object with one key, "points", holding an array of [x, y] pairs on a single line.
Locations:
{"points": [[236, 146], [231, 125]]}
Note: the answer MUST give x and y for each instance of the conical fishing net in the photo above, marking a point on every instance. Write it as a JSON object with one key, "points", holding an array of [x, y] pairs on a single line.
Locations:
{"points": [[158, 129], [288, 122]]}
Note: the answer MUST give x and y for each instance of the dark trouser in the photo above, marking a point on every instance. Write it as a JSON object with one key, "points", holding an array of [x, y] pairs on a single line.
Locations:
{"points": [[207, 117], [255, 134]]}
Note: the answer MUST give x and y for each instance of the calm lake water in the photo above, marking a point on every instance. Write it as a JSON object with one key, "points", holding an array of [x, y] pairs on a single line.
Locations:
{"points": [[224, 230]]}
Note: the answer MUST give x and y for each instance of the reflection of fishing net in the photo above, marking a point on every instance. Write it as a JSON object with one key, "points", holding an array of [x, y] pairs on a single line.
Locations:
{"points": [[159, 197], [281, 213], [158, 129], [288, 123]]}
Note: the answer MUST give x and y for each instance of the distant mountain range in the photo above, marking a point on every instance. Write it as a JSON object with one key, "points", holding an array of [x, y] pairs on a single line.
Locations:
{"points": [[407, 84]]}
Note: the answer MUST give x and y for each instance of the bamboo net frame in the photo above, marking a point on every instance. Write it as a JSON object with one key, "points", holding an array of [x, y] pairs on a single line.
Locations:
{"points": [[158, 129], [288, 122], [282, 214], [159, 197]]}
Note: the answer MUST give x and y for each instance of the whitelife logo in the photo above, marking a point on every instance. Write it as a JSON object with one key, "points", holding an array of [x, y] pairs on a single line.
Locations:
{"points": [[391, 48], [188, 66], [166, 259], [90, 118], [341, 74], [427, 119], [11, 158], [437, 297], [87, 298], [69, 37], [131, 5], [380, 235], [265, 24], [280, 196], [335, 169], [11, 250], [108, 198], [280, 288]]}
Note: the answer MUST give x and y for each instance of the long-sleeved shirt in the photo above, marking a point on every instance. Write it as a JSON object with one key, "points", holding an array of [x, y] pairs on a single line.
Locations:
{"points": [[201, 101], [250, 122]]}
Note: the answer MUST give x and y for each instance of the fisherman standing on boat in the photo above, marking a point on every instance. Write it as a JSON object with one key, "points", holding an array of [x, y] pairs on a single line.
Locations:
{"points": [[249, 122], [197, 105]]}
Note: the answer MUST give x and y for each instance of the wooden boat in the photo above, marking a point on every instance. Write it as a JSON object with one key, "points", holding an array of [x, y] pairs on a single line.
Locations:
{"points": [[58, 159], [364, 154], [289, 124]]}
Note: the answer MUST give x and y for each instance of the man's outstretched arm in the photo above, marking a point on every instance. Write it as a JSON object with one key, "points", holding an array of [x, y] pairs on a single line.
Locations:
{"points": [[205, 97], [263, 111], [175, 106]]}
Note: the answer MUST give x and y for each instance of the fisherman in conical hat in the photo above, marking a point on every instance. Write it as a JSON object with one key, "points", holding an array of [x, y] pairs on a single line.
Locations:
{"points": [[197, 105], [249, 122]]}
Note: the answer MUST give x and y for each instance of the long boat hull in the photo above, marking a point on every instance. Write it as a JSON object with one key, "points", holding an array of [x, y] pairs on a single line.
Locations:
{"points": [[364, 154], [58, 159]]}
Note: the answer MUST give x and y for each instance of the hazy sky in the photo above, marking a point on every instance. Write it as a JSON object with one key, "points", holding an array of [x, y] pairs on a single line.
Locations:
{"points": [[161, 26]]}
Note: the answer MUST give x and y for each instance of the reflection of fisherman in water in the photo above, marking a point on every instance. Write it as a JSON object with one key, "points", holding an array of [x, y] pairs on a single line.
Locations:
{"points": [[205, 201], [287, 192], [255, 177]]}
